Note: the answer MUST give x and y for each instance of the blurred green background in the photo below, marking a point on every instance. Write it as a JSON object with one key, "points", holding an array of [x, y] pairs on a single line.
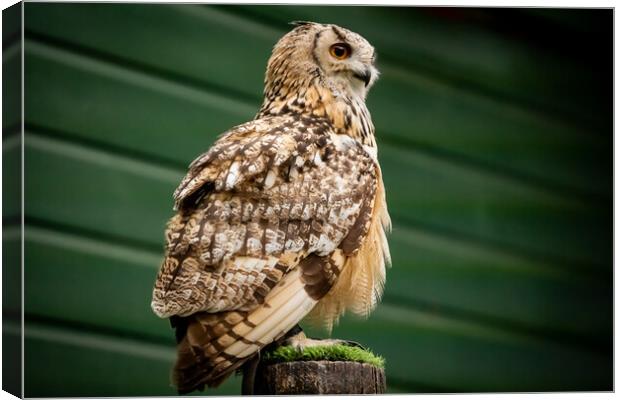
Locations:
{"points": [[495, 135]]}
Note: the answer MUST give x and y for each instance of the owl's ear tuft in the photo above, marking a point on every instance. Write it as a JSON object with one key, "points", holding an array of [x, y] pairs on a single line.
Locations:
{"points": [[301, 23]]}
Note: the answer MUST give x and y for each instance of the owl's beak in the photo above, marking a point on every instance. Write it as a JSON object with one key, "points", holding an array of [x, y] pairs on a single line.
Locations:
{"points": [[364, 76]]}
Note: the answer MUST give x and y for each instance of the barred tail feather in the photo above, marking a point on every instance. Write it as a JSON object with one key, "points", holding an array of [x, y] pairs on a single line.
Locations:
{"points": [[215, 345]]}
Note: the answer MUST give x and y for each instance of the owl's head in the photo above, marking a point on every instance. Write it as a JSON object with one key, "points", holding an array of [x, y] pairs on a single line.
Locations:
{"points": [[340, 59]]}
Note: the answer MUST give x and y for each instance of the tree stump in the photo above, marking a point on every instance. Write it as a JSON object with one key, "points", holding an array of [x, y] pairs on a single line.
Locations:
{"points": [[318, 377]]}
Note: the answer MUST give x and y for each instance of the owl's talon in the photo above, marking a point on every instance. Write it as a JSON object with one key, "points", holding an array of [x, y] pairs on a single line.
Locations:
{"points": [[349, 343], [352, 343], [301, 341]]}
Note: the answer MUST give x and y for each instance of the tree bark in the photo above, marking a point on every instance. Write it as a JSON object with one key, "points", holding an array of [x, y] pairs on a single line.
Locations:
{"points": [[318, 377]]}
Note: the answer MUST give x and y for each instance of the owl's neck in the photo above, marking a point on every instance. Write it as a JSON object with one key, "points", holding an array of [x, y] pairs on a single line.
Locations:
{"points": [[347, 113]]}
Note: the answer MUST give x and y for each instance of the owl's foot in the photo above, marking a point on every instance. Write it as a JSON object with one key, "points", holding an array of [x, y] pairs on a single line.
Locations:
{"points": [[301, 341]]}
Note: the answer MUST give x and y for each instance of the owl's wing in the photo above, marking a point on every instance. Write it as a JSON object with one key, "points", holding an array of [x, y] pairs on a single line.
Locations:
{"points": [[255, 205], [245, 152], [266, 219]]}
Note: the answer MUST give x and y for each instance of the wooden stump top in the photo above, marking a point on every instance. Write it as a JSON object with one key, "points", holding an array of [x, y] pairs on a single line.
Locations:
{"points": [[319, 377]]}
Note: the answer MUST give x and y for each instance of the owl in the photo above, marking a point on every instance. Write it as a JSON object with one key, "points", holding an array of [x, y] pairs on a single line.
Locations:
{"points": [[284, 217]]}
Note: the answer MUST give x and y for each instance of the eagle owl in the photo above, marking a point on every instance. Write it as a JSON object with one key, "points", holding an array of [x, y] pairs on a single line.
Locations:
{"points": [[284, 217]]}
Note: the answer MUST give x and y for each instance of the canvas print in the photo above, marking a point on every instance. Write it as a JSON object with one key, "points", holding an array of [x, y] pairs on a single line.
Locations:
{"points": [[300, 199]]}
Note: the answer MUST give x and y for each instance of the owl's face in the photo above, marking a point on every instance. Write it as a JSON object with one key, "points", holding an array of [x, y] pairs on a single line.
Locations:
{"points": [[343, 59], [346, 59]]}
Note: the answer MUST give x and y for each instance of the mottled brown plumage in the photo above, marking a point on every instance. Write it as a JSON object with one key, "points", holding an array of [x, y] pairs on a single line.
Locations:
{"points": [[283, 217]]}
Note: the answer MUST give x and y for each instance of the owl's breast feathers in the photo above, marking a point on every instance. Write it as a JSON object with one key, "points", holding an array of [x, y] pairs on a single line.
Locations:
{"points": [[282, 216]]}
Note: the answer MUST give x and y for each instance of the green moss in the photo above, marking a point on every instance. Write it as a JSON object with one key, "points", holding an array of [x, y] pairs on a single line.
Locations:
{"points": [[337, 352]]}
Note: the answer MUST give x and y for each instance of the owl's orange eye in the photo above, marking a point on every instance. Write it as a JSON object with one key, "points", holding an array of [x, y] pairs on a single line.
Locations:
{"points": [[340, 51]]}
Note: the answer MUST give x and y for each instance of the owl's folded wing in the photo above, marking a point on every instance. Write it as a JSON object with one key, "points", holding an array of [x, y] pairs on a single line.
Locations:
{"points": [[253, 207]]}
